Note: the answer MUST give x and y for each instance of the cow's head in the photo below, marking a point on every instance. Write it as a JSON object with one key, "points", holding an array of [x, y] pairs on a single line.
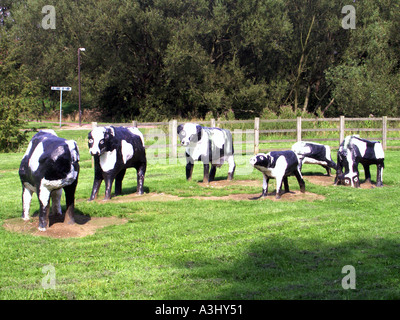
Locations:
{"points": [[189, 133], [261, 160], [347, 163], [98, 140]]}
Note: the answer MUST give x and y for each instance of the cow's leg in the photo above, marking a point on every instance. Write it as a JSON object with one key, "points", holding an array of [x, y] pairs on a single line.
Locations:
{"points": [[265, 187], [300, 180], [96, 188], [278, 187], [339, 173], [189, 167], [300, 166], [98, 178], [56, 202], [328, 170], [26, 202], [212, 172], [379, 175], [206, 175], [109, 179], [44, 201], [118, 182], [367, 173], [286, 183], [140, 178], [70, 203], [232, 167]]}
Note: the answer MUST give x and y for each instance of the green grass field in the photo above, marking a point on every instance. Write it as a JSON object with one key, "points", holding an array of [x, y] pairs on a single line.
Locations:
{"points": [[209, 249]]}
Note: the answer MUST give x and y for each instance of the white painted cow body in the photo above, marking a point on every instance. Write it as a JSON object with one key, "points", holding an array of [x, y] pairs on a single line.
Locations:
{"points": [[314, 153], [49, 165], [115, 149], [354, 150], [210, 145], [278, 165]]}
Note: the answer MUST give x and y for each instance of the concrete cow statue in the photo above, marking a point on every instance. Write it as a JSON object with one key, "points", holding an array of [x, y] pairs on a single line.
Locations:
{"points": [[115, 149], [278, 165], [314, 153], [210, 145], [354, 150], [50, 164]]}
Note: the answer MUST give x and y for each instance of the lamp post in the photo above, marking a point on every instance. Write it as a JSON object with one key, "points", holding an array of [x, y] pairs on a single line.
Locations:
{"points": [[79, 83]]}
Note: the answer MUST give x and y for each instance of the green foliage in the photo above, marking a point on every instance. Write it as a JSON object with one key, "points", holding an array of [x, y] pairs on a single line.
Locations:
{"points": [[162, 59], [15, 96]]}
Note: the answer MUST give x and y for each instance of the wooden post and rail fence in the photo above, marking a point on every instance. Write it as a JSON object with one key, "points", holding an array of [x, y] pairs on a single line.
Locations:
{"points": [[300, 130]]}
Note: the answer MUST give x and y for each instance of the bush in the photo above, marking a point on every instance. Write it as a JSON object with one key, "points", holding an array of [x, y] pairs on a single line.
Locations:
{"points": [[11, 137]]}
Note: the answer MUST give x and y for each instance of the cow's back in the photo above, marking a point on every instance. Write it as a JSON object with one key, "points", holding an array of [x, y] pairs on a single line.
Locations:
{"points": [[367, 150], [130, 138], [49, 157]]}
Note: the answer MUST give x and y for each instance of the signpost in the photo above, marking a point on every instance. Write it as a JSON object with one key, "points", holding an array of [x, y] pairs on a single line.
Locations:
{"points": [[61, 89]]}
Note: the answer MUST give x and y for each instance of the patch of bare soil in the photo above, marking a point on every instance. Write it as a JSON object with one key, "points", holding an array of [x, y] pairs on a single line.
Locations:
{"points": [[329, 180], [84, 226], [289, 196], [151, 196], [227, 183]]}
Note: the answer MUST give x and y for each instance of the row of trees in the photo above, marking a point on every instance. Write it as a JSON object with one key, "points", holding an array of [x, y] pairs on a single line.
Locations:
{"points": [[157, 59]]}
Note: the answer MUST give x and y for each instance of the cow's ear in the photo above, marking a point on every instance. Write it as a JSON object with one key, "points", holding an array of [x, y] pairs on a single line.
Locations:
{"points": [[180, 128], [269, 160], [109, 133], [198, 129]]}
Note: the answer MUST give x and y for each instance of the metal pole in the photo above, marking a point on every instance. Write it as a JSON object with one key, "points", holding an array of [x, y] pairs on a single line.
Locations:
{"points": [[60, 106], [79, 85]]}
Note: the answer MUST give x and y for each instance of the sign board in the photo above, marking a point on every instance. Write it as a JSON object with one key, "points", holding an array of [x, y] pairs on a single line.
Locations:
{"points": [[61, 89]]}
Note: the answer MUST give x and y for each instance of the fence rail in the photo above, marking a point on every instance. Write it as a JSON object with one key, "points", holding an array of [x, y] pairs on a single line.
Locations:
{"points": [[167, 131]]}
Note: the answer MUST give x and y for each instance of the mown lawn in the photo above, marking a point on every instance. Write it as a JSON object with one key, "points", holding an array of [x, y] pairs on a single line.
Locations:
{"points": [[209, 249]]}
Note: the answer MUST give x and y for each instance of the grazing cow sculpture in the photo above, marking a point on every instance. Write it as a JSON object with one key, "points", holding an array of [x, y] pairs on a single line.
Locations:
{"points": [[115, 149], [314, 153], [354, 150], [210, 145], [278, 165], [50, 164]]}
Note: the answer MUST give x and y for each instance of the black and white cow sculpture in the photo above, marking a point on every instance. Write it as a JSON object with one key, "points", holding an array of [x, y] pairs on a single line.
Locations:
{"points": [[278, 165], [115, 149], [354, 150], [314, 153], [210, 145], [49, 165]]}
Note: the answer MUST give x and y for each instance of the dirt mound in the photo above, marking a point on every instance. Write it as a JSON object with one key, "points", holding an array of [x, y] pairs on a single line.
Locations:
{"points": [[291, 196], [84, 226], [227, 183], [328, 181], [151, 196]]}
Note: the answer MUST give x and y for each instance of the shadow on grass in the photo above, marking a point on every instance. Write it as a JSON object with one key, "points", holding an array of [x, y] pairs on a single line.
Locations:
{"points": [[303, 269], [79, 216]]}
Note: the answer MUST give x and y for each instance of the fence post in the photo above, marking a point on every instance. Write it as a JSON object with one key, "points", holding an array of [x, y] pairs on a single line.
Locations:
{"points": [[173, 126], [94, 125], [341, 129], [256, 135], [212, 123], [384, 131], [298, 129], [134, 123]]}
